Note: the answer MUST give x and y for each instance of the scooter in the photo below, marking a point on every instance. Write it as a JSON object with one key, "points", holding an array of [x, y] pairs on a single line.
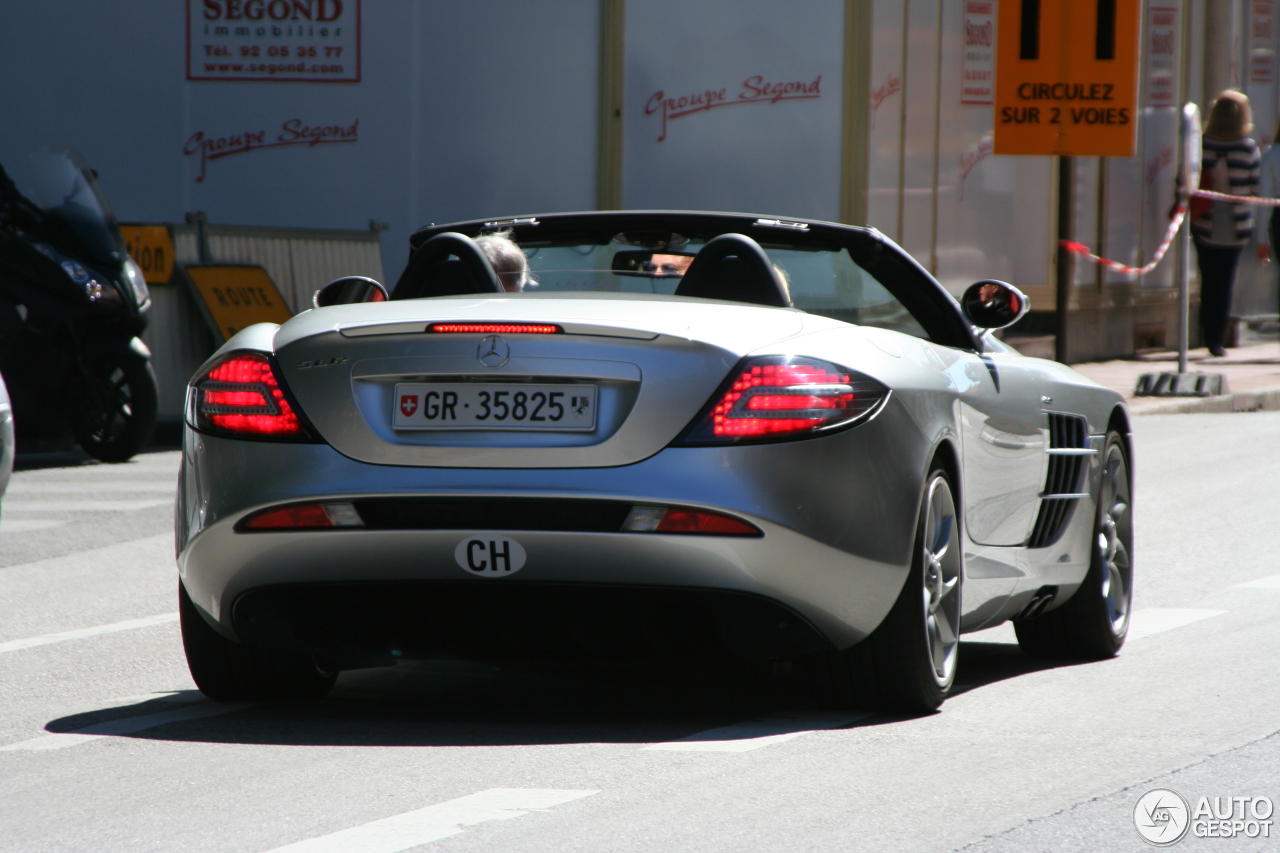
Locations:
{"points": [[72, 305]]}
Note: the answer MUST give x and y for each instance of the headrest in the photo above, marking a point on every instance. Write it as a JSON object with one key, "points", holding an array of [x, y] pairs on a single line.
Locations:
{"points": [[433, 271], [733, 267]]}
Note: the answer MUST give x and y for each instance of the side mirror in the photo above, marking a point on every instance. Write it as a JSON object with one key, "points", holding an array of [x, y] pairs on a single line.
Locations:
{"points": [[349, 290], [994, 304]]}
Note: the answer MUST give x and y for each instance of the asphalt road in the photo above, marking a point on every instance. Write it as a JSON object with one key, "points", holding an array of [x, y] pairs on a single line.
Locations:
{"points": [[105, 745]]}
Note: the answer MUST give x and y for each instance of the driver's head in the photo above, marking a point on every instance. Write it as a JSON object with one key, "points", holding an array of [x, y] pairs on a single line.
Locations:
{"points": [[506, 259]]}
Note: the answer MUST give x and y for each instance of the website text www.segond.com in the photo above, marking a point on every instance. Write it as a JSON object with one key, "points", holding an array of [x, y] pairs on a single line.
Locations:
{"points": [[271, 68]]}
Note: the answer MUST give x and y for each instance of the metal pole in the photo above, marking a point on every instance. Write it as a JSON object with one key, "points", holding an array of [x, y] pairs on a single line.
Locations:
{"points": [[1184, 291], [1066, 216], [1189, 175]]}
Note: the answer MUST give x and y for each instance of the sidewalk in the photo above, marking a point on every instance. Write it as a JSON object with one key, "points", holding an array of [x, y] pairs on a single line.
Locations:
{"points": [[1252, 373]]}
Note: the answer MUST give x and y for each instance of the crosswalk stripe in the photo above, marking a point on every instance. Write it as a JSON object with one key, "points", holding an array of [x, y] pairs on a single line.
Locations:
{"points": [[757, 734], [452, 817], [80, 633]]}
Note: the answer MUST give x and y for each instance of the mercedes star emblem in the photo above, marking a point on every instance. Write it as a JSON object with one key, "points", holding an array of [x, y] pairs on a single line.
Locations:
{"points": [[493, 351]]}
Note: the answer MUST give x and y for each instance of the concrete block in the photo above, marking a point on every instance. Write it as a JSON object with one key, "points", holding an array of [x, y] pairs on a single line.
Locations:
{"points": [[1181, 385]]}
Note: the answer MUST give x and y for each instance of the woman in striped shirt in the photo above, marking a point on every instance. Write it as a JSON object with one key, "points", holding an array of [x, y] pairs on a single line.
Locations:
{"points": [[1221, 231]]}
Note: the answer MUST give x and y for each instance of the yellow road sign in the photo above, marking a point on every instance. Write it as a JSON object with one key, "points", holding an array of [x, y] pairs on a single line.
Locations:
{"points": [[1067, 77], [152, 247], [237, 295]]}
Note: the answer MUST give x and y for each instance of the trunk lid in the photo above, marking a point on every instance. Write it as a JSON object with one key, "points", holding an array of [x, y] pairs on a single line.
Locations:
{"points": [[646, 365]]}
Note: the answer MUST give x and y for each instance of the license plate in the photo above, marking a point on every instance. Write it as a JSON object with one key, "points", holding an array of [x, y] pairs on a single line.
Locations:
{"points": [[564, 408]]}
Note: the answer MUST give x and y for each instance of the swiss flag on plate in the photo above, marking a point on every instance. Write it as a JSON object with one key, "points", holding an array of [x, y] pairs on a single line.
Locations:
{"points": [[408, 404]]}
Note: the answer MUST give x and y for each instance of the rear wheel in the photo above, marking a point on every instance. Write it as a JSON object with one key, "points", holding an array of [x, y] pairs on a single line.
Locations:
{"points": [[909, 662], [1094, 622], [115, 405], [227, 671]]}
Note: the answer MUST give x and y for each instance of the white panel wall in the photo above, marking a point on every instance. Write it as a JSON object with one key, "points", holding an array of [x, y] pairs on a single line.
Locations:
{"points": [[994, 212], [483, 108], [921, 127], [488, 108], [728, 145], [884, 155], [1256, 283]]}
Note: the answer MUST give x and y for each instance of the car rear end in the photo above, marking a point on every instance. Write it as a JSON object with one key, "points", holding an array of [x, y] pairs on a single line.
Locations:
{"points": [[369, 483]]}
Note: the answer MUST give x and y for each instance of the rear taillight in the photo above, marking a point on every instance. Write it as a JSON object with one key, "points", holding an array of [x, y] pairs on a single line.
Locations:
{"points": [[305, 516], [688, 520], [781, 397], [242, 396]]}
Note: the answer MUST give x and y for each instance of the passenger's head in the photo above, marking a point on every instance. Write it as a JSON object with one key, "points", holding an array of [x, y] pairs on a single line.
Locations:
{"points": [[1230, 116], [506, 259]]}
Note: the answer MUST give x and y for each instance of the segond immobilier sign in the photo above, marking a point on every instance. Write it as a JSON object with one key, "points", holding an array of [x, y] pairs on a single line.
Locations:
{"points": [[1067, 77]]}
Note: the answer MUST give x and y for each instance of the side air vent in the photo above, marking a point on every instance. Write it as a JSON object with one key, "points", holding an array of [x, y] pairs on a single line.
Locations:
{"points": [[1068, 460]]}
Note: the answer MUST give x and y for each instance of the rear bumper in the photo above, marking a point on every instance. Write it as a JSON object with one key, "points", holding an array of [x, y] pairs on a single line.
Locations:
{"points": [[838, 516], [353, 625]]}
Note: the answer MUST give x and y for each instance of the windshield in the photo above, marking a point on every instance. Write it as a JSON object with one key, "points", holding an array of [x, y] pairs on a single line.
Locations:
{"points": [[64, 185], [820, 281]]}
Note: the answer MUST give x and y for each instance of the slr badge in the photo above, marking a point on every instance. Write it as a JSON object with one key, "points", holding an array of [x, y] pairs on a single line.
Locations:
{"points": [[493, 351]]}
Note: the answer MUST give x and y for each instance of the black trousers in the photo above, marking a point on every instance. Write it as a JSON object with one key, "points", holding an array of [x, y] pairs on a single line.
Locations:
{"points": [[1273, 233], [1217, 280]]}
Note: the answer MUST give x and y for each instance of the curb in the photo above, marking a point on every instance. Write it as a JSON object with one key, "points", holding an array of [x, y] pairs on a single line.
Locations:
{"points": [[1263, 399]]}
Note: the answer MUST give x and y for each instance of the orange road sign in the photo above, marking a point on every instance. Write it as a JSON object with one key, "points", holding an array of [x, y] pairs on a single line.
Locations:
{"points": [[152, 248], [1067, 77], [236, 295]]}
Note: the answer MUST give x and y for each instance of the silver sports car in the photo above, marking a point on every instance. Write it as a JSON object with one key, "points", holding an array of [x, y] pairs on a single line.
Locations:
{"points": [[691, 436]]}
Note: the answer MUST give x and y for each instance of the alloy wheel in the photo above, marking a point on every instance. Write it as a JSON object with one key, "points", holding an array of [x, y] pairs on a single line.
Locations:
{"points": [[941, 560], [1114, 539]]}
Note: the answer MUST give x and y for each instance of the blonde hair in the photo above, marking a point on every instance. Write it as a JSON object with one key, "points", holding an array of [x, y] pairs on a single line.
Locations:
{"points": [[1230, 116]]}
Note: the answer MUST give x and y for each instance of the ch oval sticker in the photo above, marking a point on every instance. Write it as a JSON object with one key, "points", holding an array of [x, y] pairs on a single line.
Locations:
{"points": [[490, 556]]}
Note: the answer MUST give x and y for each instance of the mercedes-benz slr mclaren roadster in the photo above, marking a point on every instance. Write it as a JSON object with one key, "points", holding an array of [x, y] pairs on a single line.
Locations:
{"points": [[685, 436]]}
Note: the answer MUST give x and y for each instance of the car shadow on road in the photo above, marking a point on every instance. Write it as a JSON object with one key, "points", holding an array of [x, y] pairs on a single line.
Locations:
{"points": [[454, 703], [983, 663]]}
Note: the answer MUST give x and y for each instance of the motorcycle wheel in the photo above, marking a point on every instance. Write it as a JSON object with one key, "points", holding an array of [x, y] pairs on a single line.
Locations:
{"points": [[114, 411]]}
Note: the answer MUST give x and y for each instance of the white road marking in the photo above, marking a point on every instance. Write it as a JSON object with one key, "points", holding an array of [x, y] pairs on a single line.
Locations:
{"points": [[1272, 582], [103, 505], [1157, 620], [757, 734], [80, 633], [23, 525], [442, 820], [1145, 622], [29, 489], [127, 725]]}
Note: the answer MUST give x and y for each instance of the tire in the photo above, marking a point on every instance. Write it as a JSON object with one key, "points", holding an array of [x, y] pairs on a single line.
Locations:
{"points": [[114, 410], [1093, 623], [227, 671], [909, 662]]}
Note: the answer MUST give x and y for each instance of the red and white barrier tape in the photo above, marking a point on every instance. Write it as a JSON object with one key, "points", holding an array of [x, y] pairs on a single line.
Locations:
{"points": [[1174, 224], [1238, 199]]}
